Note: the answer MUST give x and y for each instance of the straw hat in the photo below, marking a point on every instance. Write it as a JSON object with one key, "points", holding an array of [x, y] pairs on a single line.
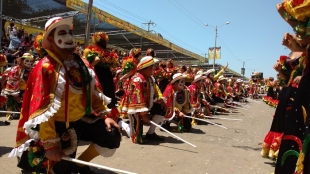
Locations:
{"points": [[200, 72], [209, 71], [199, 77], [51, 24], [25, 56], [221, 78], [177, 76], [146, 62], [239, 81], [118, 71]]}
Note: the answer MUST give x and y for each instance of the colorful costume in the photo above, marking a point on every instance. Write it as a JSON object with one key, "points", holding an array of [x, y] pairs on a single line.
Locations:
{"points": [[63, 103], [142, 92], [108, 61], [196, 96], [272, 141], [177, 101], [296, 124], [16, 79]]}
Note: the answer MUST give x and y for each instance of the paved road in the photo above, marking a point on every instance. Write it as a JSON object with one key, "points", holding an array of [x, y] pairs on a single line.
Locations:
{"points": [[219, 151]]}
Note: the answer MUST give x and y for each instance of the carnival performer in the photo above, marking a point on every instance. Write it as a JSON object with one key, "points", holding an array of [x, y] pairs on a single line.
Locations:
{"points": [[238, 90], [178, 104], [16, 80], [189, 76], [130, 63], [219, 92], [169, 70], [297, 123], [3, 99], [229, 88], [255, 79], [289, 68], [270, 85], [213, 76], [143, 93], [103, 60], [39, 50], [196, 97], [209, 86], [63, 104], [129, 66], [118, 84], [159, 73]]}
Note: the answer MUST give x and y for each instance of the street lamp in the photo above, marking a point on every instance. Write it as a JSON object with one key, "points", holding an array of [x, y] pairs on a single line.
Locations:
{"points": [[243, 69], [216, 28]]}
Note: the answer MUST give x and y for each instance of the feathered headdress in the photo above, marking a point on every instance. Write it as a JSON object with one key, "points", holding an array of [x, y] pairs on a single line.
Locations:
{"points": [[150, 52], [3, 60], [37, 44], [98, 36], [135, 52]]}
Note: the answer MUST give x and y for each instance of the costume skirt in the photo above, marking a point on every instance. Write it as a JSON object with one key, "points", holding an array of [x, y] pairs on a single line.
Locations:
{"points": [[296, 128]]}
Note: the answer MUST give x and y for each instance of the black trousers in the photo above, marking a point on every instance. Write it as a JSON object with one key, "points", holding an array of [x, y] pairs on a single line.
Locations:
{"points": [[94, 132]]}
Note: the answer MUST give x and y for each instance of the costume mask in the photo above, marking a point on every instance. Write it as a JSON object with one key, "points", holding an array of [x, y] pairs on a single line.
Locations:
{"points": [[181, 84], [28, 63], [200, 83], [211, 75], [63, 37]]}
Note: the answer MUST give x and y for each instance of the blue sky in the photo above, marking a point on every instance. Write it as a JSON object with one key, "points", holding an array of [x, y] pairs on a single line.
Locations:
{"points": [[255, 31]]}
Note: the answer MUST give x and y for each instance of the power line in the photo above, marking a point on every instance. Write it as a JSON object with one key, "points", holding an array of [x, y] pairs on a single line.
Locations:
{"points": [[125, 11], [136, 16], [199, 24], [148, 25], [117, 12]]}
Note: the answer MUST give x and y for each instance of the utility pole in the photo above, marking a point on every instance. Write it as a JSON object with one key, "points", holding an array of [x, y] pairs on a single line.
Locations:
{"points": [[148, 25], [215, 47], [216, 28], [243, 71], [205, 55], [87, 30], [1, 6]]}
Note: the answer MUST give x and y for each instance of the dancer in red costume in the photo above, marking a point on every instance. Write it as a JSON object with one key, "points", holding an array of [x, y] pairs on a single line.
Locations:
{"points": [[63, 103], [178, 103]]}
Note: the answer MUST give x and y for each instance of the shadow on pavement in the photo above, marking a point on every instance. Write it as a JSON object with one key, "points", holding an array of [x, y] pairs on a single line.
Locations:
{"points": [[191, 131], [3, 124], [248, 148], [97, 170], [179, 149], [5, 150], [273, 164], [196, 131], [170, 140]]}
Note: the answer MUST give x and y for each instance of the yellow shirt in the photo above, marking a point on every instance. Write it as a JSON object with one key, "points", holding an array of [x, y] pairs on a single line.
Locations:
{"points": [[75, 112]]}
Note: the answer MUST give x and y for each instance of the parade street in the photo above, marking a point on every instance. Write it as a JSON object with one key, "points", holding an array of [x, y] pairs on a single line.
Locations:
{"points": [[219, 151]]}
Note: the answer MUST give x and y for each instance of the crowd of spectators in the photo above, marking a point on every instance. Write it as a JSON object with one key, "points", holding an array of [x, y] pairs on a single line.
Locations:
{"points": [[15, 42]]}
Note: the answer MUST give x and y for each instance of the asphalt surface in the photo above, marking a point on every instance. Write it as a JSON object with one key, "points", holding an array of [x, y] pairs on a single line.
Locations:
{"points": [[219, 151]]}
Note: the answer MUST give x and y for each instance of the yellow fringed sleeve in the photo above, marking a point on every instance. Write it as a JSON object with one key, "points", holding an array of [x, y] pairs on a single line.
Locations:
{"points": [[218, 74]]}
